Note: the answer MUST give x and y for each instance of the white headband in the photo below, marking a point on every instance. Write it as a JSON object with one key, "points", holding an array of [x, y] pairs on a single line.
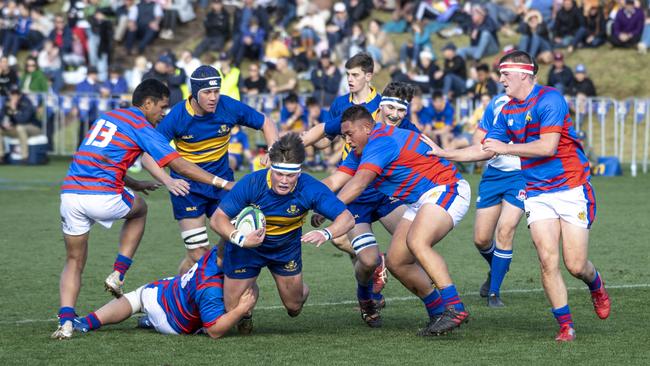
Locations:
{"points": [[288, 168], [395, 102], [517, 67]]}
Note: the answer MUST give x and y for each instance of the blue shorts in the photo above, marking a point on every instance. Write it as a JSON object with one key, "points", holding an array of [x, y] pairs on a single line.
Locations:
{"points": [[196, 204], [497, 185], [242, 263], [371, 211], [239, 160]]}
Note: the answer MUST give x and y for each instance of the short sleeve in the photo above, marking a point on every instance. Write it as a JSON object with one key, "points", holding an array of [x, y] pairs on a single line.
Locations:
{"points": [[166, 126], [552, 111], [485, 124], [238, 198], [350, 164], [333, 127], [378, 154], [324, 201], [499, 130], [154, 144], [210, 304], [247, 116]]}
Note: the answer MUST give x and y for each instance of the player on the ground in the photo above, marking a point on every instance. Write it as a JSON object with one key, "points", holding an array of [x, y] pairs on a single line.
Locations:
{"points": [[285, 196], [372, 205], [388, 211], [560, 202], [94, 189], [499, 205], [395, 161], [183, 304], [201, 128]]}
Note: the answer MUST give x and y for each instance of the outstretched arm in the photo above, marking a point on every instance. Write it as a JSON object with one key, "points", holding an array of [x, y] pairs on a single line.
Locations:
{"points": [[470, 153], [313, 135], [336, 180], [353, 188], [228, 320], [544, 147], [177, 187], [194, 172]]}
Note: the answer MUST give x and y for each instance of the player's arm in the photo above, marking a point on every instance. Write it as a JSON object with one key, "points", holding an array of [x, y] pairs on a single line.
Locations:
{"points": [[343, 223], [143, 186], [355, 186], [194, 172], [178, 187], [270, 131], [544, 147], [337, 180], [228, 320], [313, 135], [473, 152], [220, 222]]}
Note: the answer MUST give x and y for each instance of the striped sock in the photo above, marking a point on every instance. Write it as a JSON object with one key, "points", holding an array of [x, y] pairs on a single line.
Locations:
{"points": [[66, 313], [122, 264], [563, 316], [500, 265], [374, 296], [433, 303], [93, 321], [364, 291], [596, 283], [450, 298], [488, 253]]}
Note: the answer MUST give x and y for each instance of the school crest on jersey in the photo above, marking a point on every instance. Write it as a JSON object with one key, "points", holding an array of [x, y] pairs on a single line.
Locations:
{"points": [[224, 129], [529, 118], [293, 210]]}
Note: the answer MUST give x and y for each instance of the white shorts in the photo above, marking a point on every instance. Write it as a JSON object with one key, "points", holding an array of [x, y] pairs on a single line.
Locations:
{"points": [[80, 211], [576, 206], [145, 299], [455, 199]]}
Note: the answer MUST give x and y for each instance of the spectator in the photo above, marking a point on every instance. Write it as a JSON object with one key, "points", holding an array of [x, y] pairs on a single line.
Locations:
{"points": [[165, 71], [325, 79], [628, 26], [483, 36], [287, 10], [275, 49], [255, 83], [645, 38], [560, 76], [144, 24], [230, 77], [453, 74], [359, 10], [243, 16], [410, 51], [423, 73], [596, 24], [379, 44], [535, 37], [33, 80], [292, 117], [353, 44], [122, 13], [10, 14], [339, 26], [582, 84], [100, 39], [134, 76], [217, 29], [63, 39], [545, 7], [49, 61], [8, 77], [18, 120], [19, 37], [188, 63], [249, 44], [569, 26], [312, 30], [421, 114], [115, 85], [484, 83], [441, 129], [283, 79], [173, 11], [41, 27], [86, 106]]}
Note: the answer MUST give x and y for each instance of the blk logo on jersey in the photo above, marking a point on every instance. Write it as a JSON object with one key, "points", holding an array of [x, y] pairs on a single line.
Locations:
{"points": [[190, 209], [187, 137]]}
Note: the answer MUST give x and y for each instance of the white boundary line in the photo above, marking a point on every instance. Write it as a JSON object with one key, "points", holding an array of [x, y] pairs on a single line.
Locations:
{"points": [[354, 302]]}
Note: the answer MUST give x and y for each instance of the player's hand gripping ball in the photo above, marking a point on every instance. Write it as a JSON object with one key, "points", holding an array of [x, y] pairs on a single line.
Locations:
{"points": [[249, 220]]}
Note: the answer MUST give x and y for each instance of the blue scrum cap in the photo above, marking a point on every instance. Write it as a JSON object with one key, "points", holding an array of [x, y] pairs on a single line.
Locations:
{"points": [[205, 77]]}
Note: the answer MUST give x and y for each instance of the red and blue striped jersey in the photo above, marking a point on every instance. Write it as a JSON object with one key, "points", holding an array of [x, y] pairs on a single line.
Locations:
{"points": [[114, 142], [523, 121], [194, 300], [400, 159]]}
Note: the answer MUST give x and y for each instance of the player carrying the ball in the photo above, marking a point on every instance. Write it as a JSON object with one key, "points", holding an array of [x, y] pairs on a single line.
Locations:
{"points": [[285, 196]]}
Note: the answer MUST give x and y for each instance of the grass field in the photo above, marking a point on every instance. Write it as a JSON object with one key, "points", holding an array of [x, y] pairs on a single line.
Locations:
{"points": [[329, 331]]}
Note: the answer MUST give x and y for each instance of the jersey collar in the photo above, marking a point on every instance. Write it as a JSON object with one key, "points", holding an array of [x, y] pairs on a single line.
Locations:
{"points": [[371, 96]]}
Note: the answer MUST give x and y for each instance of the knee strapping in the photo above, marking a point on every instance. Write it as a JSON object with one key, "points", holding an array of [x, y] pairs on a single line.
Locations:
{"points": [[363, 241], [195, 238], [135, 299]]}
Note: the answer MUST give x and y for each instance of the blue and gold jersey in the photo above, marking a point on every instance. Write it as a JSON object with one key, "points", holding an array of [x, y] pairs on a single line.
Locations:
{"points": [[204, 139], [285, 214]]}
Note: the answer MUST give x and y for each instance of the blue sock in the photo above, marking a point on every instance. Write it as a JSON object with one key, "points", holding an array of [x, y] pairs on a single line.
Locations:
{"points": [[376, 297], [66, 313], [450, 298], [596, 283], [122, 264], [563, 316], [364, 291], [433, 303], [92, 321], [500, 265], [488, 253]]}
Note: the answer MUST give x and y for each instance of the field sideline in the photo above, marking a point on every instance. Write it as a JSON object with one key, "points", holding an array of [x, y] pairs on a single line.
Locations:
{"points": [[329, 331]]}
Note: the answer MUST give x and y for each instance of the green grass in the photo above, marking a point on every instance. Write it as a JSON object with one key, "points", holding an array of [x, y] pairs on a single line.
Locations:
{"points": [[332, 334]]}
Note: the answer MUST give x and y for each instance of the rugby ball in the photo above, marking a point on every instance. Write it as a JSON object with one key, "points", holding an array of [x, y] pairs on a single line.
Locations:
{"points": [[249, 220]]}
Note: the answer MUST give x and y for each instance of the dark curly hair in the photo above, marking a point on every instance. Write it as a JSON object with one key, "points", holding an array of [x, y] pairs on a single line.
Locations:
{"points": [[288, 149]]}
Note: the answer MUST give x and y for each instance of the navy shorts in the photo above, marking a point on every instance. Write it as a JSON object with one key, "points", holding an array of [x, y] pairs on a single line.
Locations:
{"points": [[497, 185], [243, 263], [371, 211], [196, 204]]}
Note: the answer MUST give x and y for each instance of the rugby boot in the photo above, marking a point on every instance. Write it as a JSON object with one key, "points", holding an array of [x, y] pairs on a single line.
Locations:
{"points": [[370, 313], [448, 320], [484, 291], [380, 276], [566, 334], [63, 331], [494, 301], [113, 284], [245, 325], [601, 302]]}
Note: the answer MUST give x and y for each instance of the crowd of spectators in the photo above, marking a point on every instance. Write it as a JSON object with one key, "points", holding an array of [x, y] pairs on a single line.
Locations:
{"points": [[292, 47]]}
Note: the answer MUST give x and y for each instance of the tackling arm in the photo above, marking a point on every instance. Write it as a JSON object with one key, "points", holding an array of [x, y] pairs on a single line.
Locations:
{"points": [[194, 172], [228, 320], [355, 186], [544, 147], [473, 152], [313, 135], [336, 181]]}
